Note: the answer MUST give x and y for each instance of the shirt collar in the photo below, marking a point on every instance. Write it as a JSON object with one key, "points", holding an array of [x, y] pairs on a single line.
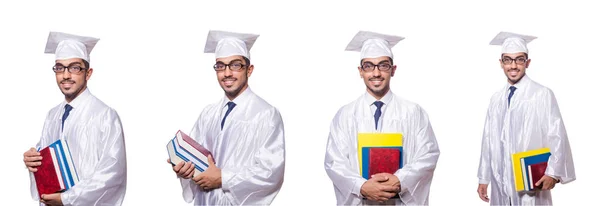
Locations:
{"points": [[240, 99], [80, 98], [520, 84], [385, 99]]}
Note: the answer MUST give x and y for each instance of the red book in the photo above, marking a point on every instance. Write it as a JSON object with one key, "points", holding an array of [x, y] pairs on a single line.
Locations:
{"points": [[536, 172], [46, 178], [195, 144], [383, 160]]}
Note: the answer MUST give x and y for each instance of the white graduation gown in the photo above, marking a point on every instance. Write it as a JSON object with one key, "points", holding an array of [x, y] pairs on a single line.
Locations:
{"points": [[250, 151], [94, 134], [420, 149], [532, 121]]}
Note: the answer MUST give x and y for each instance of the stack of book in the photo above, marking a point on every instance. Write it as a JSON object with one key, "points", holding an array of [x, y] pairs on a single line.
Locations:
{"points": [[183, 148], [529, 167], [379, 153], [57, 172]]}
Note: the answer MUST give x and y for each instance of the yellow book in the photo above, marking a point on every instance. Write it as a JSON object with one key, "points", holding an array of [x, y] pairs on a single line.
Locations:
{"points": [[376, 140], [518, 170]]}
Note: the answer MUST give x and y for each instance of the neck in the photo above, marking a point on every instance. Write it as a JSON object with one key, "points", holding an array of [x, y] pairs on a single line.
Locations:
{"points": [[378, 95], [231, 96], [69, 98]]}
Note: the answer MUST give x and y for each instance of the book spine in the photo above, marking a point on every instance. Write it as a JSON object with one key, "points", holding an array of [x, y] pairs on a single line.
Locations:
{"points": [[63, 166], [531, 183], [524, 174], [57, 168], [71, 163]]}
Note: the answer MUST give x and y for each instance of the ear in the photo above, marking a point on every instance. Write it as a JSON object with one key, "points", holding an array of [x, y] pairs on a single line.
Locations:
{"points": [[89, 74], [360, 72], [249, 71], [501, 65], [527, 63], [393, 70]]}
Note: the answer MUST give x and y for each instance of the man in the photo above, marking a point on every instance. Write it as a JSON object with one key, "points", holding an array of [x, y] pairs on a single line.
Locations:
{"points": [[92, 130], [380, 111], [523, 116], [243, 132]]}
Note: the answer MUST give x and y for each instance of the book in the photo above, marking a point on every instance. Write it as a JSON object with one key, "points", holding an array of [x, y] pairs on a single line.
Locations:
{"points": [[379, 152], [521, 161], [183, 148], [536, 172], [383, 160], [57, 172]]}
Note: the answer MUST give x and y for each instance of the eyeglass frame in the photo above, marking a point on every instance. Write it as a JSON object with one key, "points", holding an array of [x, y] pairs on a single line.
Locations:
{"points": [[525, 59], [225, 66], [378, 66], [68, 68]]}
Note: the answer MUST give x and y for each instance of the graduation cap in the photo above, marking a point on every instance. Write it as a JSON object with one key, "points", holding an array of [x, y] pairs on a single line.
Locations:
{"points": [[373, 45], [67, 46], [225, 44], [512, 43]]}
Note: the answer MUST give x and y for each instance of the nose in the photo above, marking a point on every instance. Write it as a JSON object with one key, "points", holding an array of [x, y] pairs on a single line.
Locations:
{"points": [[227, 71], [66, 74], [376, 72]]}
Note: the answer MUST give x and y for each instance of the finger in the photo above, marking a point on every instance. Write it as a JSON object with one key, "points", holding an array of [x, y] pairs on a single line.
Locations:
{"points": [[169, 161], [198, 178], [389, 195], [203, 183], [387, 188], [481, 196], [380, 178], [33, 164], [178, 167], [382, 198], [190, 173], [546, 185], [539, 182], [211, 161], [32, 158], [32, 169], [183, 171]]}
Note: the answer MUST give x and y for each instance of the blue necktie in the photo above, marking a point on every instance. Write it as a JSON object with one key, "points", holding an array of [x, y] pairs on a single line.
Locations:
{"points": [[68, 109], [230, 106], [512, 91], [378, 104]]}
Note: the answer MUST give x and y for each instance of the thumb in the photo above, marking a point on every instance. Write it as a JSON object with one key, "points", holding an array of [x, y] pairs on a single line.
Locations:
{"points": [[211, 161], [380, 178]]}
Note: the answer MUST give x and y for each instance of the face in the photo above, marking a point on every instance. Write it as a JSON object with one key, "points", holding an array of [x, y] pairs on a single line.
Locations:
{"points": [[377, 81], [233, 82], [72, 84], [515, 69]]}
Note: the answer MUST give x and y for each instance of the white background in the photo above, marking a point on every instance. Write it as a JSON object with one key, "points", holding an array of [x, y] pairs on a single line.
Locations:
{"points": [[149, 65]]}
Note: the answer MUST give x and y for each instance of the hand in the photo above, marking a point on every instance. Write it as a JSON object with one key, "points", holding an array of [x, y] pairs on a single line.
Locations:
{"points": [[51, 199], [184, 170], [211, 178], [392, 180], [482, 191], [374, 189], [32, 159], [546, 182]]}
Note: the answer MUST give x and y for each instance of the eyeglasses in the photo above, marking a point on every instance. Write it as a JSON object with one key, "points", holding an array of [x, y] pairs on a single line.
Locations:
{"points": [[236, 66], [519, 60], [368, 67], [73, 69]]}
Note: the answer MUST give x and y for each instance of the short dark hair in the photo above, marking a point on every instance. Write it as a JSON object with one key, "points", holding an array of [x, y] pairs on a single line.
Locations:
{"points": [[246, 60], [86, 64], [526, 56], [391, 61]]}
